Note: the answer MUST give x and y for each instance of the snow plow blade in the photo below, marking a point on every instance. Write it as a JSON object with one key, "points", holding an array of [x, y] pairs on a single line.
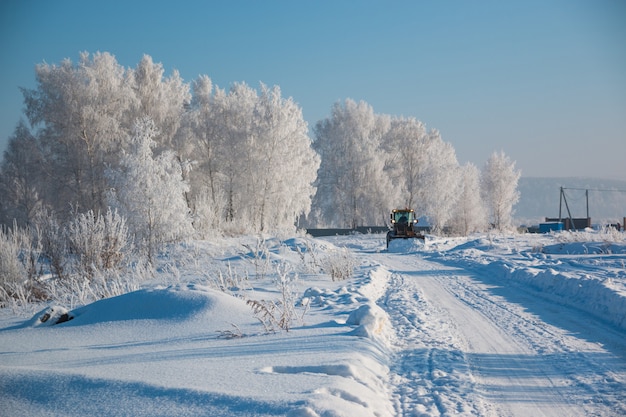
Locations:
{"points": [[391, 236]]}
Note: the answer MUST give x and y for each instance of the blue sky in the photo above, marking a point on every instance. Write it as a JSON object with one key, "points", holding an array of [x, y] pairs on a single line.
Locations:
{"points": [[543, 81]]}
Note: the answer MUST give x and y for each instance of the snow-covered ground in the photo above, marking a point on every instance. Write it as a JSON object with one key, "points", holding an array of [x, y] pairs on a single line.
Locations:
{"points": [[487, 325]]}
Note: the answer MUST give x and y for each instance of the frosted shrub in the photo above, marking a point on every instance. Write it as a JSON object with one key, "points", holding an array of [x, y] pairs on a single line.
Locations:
{"points": [[611, 234], [339, 264], [207, 215], [19, 259], [76, 290], [229, 280], [278, 314], [85, 258], [605, 234], [12, 272], [309, 256], [112, 283], [260, 256], [99, 242], [53, 244]]}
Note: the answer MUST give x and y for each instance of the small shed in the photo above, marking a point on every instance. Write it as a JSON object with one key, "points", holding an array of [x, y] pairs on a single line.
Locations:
{"points": [[548, 227]]}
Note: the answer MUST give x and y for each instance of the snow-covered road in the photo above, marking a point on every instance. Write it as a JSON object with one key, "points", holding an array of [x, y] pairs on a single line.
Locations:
{"points": [[466, 345], [487, 326]]}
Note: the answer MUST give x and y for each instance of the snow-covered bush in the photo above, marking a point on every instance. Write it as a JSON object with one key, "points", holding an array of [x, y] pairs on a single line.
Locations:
{"points": [[339, 264], [50, 234], [12, 271], [208, 214], [76, 290], [229, 280], [278, 314], [605, 234], [98, 242], [309, 256], [19, 261], [82, 260], [259, 255]]}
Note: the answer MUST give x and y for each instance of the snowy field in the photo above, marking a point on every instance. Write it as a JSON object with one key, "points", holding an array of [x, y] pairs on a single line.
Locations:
{"points": [[489, 325]]}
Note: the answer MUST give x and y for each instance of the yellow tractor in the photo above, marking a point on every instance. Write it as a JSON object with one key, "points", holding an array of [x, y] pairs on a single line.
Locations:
{"points": [[404, 225]]}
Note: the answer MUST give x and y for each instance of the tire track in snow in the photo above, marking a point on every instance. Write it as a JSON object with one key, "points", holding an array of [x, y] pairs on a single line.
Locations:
{"points": [[431, 375], [577, 369], [462, 350]]}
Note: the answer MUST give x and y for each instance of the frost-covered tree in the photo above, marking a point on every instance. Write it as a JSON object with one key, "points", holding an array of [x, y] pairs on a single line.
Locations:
{"points": [[148, 190], [499, 189], [202, 128], [406, 145], [440, 183], [469, 212], [82, 114], [352, 188], [424, 169], [232, 139], [254, 161], [286, 165], [372, 163], [21, 174], [163, 99]]}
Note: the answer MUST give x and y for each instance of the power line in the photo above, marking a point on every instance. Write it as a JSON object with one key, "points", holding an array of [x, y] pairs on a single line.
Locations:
{"points": [[593, 189]]}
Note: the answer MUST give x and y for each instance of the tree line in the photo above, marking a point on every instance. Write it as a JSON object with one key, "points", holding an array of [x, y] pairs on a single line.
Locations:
{"points": [[176, 159], [371, 163]]}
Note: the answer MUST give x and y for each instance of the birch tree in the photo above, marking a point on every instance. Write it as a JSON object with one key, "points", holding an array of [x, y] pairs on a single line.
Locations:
{"points": [[21, 173], [425, 170], [236, 117], [499, 189], [352, 188], [162, 99], [202, 128], [253, 155], [469, 214], [441, 182], [82, 113], [148, 190], [406, 145], [288, 164]]}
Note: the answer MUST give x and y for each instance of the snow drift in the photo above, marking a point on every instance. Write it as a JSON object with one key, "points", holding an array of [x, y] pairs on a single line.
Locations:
{"points": [[355, 349]]}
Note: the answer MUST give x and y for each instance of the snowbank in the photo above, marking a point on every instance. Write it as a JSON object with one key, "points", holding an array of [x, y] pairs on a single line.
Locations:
{"points": [[172, 304], [189, 349], [370, 320], [588, 275]]}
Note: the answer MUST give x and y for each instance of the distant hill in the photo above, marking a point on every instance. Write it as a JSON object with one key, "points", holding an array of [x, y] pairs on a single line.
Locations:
{"points": [[540, 198]]}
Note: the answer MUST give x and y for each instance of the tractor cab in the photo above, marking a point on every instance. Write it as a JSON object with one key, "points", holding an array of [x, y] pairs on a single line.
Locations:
{"points": [[406, 216]]}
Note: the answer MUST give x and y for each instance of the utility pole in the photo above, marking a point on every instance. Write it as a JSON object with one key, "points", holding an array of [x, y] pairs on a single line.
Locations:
{"points": [[569, 213]]}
